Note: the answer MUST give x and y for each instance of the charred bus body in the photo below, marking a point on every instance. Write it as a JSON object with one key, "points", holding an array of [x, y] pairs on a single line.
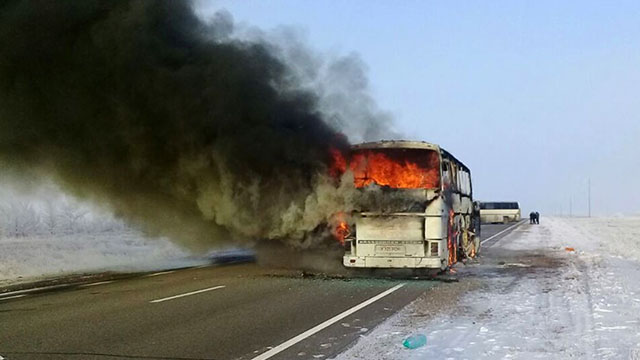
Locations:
{"points": [[422, 213]]}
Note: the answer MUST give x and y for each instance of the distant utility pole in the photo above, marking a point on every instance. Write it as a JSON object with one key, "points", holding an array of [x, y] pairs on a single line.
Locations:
{"points": [[589, 191], [570, 206]]}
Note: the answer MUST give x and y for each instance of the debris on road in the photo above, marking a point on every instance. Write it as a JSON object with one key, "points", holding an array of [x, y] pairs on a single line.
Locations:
{"points": [[415, 341]]}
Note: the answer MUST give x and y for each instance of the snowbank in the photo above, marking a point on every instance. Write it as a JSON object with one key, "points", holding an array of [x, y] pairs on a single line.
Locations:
{"points": [[539, 300], [39, 256]]}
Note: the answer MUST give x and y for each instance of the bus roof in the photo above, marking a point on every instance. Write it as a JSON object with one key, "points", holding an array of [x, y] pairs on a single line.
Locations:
{"points": [[402, 144], [506, 202]]}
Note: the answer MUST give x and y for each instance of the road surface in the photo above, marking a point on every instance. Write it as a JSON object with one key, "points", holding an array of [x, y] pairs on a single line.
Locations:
{"points": [[231, 312], [492, 233]]}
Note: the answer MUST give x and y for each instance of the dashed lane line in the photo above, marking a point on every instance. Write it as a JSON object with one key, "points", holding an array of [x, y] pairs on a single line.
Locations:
{"points": [[42, 288], [96, 283], [160, 273], [187, 294]]}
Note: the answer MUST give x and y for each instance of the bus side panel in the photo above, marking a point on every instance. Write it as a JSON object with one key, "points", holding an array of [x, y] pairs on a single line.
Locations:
{"points": [[499, 215], [436, 228]]}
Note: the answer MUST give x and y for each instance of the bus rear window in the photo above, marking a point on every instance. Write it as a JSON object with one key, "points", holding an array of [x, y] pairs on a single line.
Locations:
{"points": [[499, 206], [396, 168]]}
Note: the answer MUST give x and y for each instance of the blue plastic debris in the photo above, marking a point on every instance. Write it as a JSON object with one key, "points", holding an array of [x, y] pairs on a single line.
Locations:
{"points": [[415, 341]]}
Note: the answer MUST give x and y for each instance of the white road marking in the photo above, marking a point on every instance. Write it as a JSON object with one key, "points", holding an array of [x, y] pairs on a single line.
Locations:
{"points": [[294, 340], [160, 273], [187, 294], [97, 283], [503, 231], [13, 297], [51, 287]]}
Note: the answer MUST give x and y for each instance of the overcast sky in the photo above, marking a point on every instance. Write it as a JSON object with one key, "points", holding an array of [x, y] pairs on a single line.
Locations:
{"points": [[534, 96]]}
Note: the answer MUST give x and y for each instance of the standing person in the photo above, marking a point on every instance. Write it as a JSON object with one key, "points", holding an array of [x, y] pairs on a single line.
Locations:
{"points": [[532, 218], [537, 217]]}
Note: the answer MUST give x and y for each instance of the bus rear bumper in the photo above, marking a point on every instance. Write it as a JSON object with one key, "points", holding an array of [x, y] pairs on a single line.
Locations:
{"points": [[392, 262]]}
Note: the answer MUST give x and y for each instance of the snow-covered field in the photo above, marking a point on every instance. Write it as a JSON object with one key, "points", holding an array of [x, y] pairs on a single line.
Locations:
{"points": [[538, 300], [28, 258]]}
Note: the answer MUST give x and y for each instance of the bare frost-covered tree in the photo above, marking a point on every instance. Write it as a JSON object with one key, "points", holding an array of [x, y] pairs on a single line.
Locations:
{"points": [[46, 211], [19, 219], [50, 217], [71, 217], [106, 223]]}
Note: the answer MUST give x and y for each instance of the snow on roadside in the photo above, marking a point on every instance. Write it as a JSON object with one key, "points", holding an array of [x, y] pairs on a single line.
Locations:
{"points": [[538, 301], [615, 236], [35, 257]]}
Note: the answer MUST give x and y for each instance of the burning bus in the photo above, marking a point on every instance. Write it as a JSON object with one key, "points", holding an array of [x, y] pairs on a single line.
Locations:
{"points": [[415, 207]]}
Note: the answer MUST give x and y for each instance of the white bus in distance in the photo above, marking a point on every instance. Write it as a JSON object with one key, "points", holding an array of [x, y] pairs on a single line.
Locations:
{"points": [[500, 212], [434, 231]]}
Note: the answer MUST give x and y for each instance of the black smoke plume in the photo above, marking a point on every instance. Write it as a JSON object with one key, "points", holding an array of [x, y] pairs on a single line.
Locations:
{"points": [[145, 109]]}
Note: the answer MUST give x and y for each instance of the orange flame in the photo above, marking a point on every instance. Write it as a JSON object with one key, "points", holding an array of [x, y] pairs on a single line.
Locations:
{"points": [[452, 244], [396, 168], [339, 163], [341, 230]]}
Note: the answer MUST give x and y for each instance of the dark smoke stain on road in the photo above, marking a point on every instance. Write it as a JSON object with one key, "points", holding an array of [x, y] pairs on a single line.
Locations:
{"points": [[139, 106]]}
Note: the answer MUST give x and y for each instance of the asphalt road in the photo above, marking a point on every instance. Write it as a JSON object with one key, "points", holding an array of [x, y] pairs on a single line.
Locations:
{"points": [[492, 233], [230, 312]]}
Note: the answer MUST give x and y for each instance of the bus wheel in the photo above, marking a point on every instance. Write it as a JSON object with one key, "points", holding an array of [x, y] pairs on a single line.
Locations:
{"points": [[468, 244]]}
